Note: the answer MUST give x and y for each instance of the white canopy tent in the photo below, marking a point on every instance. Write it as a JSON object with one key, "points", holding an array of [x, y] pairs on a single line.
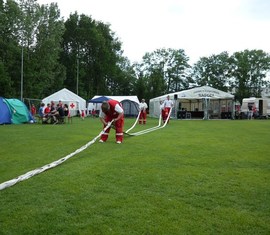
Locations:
{"points": [[75, 102], [200, 102], [130, 104]]}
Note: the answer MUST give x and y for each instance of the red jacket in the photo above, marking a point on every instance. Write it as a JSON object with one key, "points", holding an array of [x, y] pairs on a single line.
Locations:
{"points": [[112, 113]]}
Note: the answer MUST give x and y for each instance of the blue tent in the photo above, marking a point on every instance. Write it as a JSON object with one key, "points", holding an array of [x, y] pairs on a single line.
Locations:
{"points": [[5, 115], [98, 100], [14, 111]]}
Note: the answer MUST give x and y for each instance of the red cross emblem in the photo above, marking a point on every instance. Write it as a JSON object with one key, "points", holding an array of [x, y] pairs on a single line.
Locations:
{"points": [[72, 105]]}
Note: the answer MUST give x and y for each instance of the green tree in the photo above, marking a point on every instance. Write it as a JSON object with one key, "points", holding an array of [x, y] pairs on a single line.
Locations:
{"points": [[41, 35], [9, 49], [92, 56], [166, 70], [249, 69], [48, 74], [213, 71]]}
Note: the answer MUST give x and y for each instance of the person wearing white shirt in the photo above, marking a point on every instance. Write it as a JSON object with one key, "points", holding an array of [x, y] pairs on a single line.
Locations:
{"points": [[112, 110], [168, 105], [143, 112]]}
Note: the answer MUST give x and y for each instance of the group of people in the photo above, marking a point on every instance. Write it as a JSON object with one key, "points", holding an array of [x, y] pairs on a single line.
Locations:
{"points": [[112, 111], [53, 114]]}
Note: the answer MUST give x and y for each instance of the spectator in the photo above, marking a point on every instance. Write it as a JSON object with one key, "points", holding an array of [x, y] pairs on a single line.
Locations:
{"points": [[41, 110], [66, 110], [93, 113], [33, 110], [82, 114], [60, 114]]}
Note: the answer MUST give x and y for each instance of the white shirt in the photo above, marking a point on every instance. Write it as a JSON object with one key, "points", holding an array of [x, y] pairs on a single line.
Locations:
{"points": [[117, 109], [161, 106], [168, 103], [143, 106]]}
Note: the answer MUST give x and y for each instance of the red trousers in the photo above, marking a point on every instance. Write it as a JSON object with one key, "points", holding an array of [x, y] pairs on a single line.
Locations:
{"points": [[166, 113], [142, 117], [119, 126]]}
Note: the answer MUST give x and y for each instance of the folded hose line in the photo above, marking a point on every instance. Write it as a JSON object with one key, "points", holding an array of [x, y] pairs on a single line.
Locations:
{"points": [[134, 123], [53, 164], [152, 128]]}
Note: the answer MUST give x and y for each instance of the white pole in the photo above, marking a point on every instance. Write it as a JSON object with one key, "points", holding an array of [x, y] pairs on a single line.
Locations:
{"points": [[22, 75]]}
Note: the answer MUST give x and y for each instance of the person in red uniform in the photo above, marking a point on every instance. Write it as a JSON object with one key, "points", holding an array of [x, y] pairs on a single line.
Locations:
{"points": [[168, 105], [110, 110], [143, 114]]}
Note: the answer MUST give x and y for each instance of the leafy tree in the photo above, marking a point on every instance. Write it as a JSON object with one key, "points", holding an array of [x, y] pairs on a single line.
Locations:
{"points": [[92, 56], [48, 73], [41, 35], [166, 70], [249, 69], [125, 78], [9, 50], [213, 71], [140, 85]]}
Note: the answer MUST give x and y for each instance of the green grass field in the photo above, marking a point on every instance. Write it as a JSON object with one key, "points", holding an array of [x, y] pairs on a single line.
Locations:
{"points": [[191, 177]]}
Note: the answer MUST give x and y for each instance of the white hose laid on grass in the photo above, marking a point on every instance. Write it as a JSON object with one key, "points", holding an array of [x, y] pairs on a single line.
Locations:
{"points": [[60, 161], [134, 123], [51, 165], [152, 128]]}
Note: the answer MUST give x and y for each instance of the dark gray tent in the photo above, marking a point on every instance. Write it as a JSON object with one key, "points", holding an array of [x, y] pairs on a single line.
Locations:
{"points": [[130, 104], [131, 108]]}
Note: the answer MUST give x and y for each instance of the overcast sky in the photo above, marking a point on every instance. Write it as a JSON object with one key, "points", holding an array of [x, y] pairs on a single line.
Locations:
{"points": [[199, 27]]}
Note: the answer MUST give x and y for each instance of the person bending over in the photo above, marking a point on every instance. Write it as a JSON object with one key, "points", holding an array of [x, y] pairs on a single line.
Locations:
{"points": [[112, 110]]}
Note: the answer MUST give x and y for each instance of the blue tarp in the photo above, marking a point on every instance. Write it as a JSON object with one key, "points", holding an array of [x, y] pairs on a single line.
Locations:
{"points": [[98, 100]]}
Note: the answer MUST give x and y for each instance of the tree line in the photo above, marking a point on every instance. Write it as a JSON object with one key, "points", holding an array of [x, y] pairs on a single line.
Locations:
{"points": [[40, 53]]}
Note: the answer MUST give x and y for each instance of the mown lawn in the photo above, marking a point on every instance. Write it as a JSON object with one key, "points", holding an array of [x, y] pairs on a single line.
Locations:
{"points": [[191, 177]]}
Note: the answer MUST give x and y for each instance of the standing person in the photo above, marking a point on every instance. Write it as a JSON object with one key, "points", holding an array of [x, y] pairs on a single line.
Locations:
{"points": [[168, 105], [112, 109], [82, 114], [161, 107], [254, 111], [33, 110], [93, 113], [41, 110], [250, 112], [143, 114]]}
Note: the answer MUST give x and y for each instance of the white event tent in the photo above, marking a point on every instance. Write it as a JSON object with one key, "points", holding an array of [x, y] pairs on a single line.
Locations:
{"points": [[199, 102], [75, 102]]}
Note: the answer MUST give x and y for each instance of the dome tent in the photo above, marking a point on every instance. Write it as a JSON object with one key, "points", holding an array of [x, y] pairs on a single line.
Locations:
{"points": [[14, 111], [130, 104]]}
